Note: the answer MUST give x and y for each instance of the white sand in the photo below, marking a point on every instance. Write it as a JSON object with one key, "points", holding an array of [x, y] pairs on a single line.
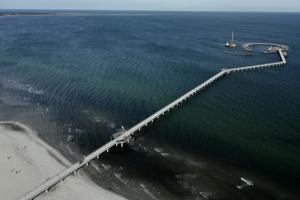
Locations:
{"points": [[26, 161]]}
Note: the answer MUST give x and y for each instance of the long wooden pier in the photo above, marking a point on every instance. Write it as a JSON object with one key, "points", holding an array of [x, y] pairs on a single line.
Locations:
{"points": [[122, 138]]}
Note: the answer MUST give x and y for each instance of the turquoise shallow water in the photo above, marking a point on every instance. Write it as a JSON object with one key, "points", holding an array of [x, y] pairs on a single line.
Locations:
{"points": [[93, 74]]}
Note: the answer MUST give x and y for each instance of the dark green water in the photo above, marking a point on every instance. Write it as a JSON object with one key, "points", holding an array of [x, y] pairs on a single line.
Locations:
{"points": [[86, 76]]}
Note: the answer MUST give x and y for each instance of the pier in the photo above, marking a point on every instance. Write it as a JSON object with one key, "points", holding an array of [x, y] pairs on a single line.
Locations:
{"points": [[126, 135], [248, 46]]}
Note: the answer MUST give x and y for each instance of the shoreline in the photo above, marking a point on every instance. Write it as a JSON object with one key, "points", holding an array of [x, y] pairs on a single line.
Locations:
{"points": [[26, 162]]}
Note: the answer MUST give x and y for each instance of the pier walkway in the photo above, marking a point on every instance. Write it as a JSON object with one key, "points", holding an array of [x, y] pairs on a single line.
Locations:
{"points": [[248, 46], [123, 138]]}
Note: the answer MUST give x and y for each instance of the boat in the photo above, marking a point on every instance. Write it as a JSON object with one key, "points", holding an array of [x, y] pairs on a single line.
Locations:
{"points": [[227, 44], [270, 48], [273, 49], [231, 44], [246, 183]]}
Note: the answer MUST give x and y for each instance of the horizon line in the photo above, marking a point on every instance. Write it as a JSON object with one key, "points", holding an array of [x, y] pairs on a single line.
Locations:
{"points": [[148, 10]]}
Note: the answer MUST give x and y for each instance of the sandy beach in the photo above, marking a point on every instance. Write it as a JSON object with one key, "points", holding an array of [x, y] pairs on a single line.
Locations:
{"points": [[26, 161]]}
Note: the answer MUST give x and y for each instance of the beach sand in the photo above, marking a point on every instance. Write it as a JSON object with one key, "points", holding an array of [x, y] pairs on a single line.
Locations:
{"points": [[26, 161]]}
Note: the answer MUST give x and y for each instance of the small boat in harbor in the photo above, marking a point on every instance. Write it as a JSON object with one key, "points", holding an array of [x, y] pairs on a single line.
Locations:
{"points": [[272, 49], [231, 44]]}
